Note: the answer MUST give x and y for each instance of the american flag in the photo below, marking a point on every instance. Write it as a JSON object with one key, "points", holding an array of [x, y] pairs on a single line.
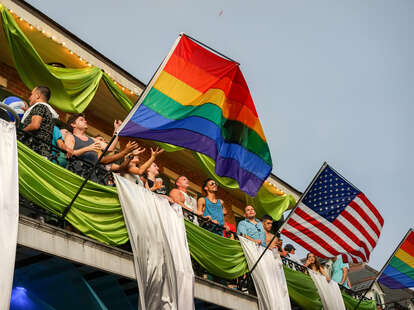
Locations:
{"points": [[335, 218]]}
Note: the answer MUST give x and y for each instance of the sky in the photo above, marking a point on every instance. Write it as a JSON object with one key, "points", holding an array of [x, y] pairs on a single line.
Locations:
{"points": [[331, 80]]}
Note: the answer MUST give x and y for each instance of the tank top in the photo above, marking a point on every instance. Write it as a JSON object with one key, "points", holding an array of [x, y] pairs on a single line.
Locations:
{"points": [[190, 203], [215, 210], [90, 156]]}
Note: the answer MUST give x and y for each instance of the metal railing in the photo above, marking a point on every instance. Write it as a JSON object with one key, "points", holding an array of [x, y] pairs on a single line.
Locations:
{"points": [[75, 164]]}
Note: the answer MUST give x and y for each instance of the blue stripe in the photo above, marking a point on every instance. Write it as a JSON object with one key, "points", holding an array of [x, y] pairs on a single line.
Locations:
{"points": [[249, 161], [398, 276]]}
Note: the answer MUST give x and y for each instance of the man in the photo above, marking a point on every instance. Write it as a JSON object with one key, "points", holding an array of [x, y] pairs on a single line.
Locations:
{"points": [[87, 148], [340, 271], [267, 223], [38, 121], [210, 206], [180, 196], [290, 251], [251, 228]]}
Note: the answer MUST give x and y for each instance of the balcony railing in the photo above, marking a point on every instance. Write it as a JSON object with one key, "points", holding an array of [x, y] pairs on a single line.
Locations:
{"points": [[82, 168]]}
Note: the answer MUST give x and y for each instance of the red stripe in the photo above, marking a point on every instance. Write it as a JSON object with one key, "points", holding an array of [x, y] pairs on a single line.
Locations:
{"points": [[372, 208], [358, 226], [365, 216], [309, 233], [408, 247], [329, 232], [410, 237], [301, 242], [353, 237]]}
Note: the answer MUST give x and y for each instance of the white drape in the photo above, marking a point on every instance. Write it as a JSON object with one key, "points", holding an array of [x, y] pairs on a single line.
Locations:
{"points": [[9, 209], [328, 291], [161, 256], [268, 276]]}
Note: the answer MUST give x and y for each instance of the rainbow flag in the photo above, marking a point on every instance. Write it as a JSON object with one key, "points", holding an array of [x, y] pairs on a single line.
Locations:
{"points": [[200, 101], [399, 273]]}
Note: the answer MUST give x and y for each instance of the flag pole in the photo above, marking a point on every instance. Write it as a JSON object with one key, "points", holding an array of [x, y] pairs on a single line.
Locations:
{"points": [[134, 108], [303, 195], [290, 214], [383, 268]]}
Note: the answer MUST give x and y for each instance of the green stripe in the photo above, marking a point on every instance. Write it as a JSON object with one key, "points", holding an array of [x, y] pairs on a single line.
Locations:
{"points": [[402, 267], [231, 131]]}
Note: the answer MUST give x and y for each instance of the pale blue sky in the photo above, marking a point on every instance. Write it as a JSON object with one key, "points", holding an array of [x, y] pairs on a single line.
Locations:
{"points": [[332, 80]]}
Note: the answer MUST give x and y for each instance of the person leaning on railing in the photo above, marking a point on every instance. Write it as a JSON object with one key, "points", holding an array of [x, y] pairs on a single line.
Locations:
{"points": [[312, 262], [267, 223], [251, 227], [87, 148], [180, 195], [212, 207], [38, 120]]}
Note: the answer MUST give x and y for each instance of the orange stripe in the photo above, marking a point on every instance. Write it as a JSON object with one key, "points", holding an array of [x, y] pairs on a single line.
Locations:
{"points": [[408, 247], [231, 82], [188, 96]]}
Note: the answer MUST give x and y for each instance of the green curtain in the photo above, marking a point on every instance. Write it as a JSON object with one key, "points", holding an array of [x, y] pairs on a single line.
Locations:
{"points": [[350, 303], [264, 202], [72, 89], [221, 256], [96, 212]]}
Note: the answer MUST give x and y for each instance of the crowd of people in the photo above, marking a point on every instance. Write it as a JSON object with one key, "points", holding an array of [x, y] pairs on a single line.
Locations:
{"points": [[38, 119]]}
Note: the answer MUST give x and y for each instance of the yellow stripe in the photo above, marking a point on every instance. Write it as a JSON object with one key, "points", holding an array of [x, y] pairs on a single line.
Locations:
{"points": [[405, 257], [186, 95]]}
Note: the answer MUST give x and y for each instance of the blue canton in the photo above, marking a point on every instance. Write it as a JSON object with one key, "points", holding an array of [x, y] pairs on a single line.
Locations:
{"points": [[330, 194]]}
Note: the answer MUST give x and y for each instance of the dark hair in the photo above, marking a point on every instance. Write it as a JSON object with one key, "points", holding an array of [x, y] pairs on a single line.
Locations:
{"points": [[267, 217], [289, 247], [73, 119], [317, 263], [205, 183], [44, 91]]}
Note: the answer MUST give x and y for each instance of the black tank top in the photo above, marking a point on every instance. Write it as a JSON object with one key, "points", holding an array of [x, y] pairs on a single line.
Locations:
{"points": [[90, 156]]}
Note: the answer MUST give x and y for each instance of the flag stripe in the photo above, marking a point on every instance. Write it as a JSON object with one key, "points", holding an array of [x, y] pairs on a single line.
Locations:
{"points": [[248, 160], [372, 208], [329, 231], [402, 267], [405, 257], [369, 216], [228, 167], [398, 276], [361, 218], [229, 131], [347, 230], [408, 247], [201, 80], [297, 236], [186, 96], [349, 214], [390, 282]]}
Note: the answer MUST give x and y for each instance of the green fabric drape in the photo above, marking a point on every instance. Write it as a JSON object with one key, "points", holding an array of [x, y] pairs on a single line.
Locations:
{"points": [[117, 93], [350, 303], [71, 89], [264, 202], [221, 256], [96, 213]]}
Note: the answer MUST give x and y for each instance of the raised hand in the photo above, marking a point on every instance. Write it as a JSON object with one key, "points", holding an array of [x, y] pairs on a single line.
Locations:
{"points": [[156, 152], [131, 145], [117, 124]]}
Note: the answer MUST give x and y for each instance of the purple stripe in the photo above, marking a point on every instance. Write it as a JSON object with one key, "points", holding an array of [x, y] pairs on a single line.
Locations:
{"points": [[225, 167], [390, 282]]}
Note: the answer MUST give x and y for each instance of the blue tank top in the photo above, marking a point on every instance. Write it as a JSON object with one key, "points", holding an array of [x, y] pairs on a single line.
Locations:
{"points": [[215, 210]]}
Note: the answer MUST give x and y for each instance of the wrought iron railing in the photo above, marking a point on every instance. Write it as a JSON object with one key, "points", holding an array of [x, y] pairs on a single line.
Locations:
{"points": [[75, 164]]}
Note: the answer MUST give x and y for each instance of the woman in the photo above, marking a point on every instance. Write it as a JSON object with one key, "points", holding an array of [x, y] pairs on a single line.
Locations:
{"points": [[312, 262], [153, 183], [134, 170]]}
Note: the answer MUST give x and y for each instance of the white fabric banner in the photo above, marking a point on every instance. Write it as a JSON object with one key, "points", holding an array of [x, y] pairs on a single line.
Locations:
{"points": [[9, 209], [161, 256], [268, 276], [329, 292]]}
